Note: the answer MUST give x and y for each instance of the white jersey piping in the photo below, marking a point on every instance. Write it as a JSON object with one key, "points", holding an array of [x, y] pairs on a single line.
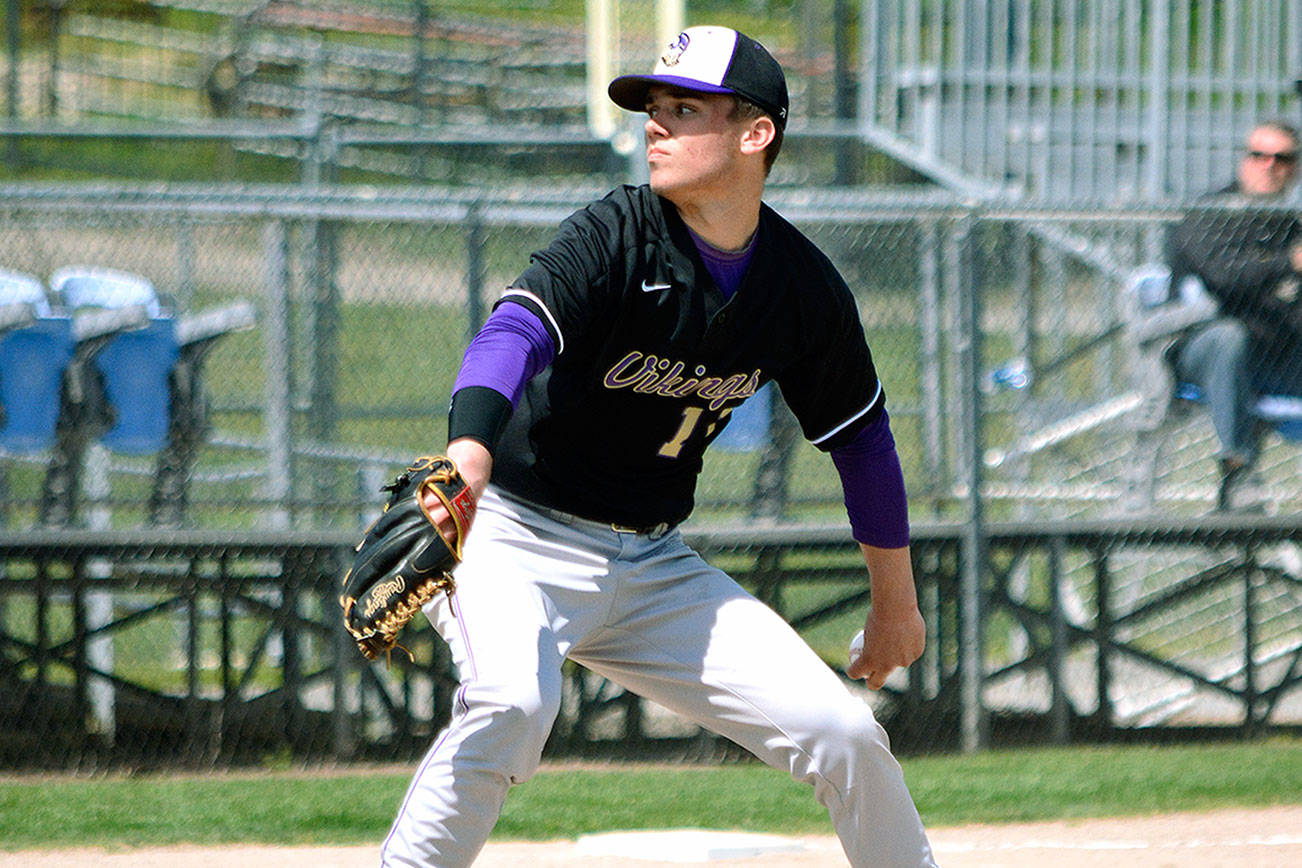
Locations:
{"points": [[560, 338], [870, 405]]}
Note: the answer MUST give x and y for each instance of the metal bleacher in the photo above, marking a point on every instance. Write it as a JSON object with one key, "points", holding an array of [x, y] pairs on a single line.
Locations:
{"points": [[1150, 110], [1155, 406], [1152, 104], [271, 61]]}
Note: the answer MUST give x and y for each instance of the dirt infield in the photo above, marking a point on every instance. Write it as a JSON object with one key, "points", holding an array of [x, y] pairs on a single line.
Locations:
{"points": [[1266, 838]]}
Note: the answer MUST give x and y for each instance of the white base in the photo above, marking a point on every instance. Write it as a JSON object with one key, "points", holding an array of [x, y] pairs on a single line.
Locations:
{"points": [[685, 845]]}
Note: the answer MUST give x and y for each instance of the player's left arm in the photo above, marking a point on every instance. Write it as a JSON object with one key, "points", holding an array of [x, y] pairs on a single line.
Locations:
{"points": [[894, 632], [835, 394], [877, 505]]}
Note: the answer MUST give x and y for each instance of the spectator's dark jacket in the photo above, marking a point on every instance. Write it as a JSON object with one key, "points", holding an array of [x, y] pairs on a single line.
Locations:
{"points": [[1242, 255]]}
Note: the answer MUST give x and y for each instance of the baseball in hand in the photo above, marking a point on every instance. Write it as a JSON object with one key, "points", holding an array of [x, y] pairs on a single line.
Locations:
{"points": [[856, 648]]}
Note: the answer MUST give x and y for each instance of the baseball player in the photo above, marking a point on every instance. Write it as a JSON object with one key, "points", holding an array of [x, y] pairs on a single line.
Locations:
{"points": [[579, 419]]}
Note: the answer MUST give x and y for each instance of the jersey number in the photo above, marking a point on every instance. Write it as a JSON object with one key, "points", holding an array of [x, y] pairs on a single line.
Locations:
{"points": [[691, 419]]}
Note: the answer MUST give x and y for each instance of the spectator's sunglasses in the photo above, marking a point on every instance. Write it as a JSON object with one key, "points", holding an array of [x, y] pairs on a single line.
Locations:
{"points": [[1284, 158]]}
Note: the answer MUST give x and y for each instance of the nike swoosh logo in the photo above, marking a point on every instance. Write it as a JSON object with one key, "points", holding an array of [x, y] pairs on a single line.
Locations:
{"points": [[655, 287]]}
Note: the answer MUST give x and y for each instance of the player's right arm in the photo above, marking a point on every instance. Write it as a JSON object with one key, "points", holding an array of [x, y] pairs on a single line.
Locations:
{"points": [[474, 462]]}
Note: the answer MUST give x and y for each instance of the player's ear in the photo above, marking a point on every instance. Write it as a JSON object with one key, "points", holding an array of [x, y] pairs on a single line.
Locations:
{"points": [[758, 135]]}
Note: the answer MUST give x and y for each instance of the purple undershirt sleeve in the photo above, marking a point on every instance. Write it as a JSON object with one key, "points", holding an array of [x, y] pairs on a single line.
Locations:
{"points": [[512, 346], [873, 482]]}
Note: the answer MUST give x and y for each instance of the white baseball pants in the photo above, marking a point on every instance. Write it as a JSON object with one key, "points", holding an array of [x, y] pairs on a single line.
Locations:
{"points": [[652, 616]]}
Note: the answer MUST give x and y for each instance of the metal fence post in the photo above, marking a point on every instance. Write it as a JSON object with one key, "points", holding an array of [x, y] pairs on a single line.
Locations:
{"points": [[931, 328], [638, 170], [185, 259], [14, 45], [13, 20], [847, 148], [226, 647], [1250, 693], [1103, 639], [291, 661], [872, 60], [1059, 720], [99, 603], [313, 118], [81, 677], [191, 704], [276, 331], [54, 9], [1159, 121], [771, 491], [343, 743], [961, 262], [323, 418], [323, 261], [420, 61]]}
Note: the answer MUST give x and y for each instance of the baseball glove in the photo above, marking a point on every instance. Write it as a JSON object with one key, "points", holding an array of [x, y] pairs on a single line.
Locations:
{"points": [[403, 561]]}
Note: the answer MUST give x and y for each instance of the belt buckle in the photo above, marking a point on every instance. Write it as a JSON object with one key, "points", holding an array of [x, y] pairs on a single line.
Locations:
{"points": [[655, 531]]}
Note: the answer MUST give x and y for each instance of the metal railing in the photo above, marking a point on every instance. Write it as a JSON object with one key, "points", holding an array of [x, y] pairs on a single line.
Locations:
{"points": [[227, 648]]}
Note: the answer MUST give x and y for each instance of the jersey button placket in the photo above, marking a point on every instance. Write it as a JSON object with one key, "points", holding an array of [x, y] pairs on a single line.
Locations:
{"points": [[718, 326]]}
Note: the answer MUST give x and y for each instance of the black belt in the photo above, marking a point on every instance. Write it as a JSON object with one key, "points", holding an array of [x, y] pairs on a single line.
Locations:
{"points": [[653, 531]]}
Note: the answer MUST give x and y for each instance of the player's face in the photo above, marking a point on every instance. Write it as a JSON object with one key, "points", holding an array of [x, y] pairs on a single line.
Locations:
{"points": [[693, 144], [1270, 165]]}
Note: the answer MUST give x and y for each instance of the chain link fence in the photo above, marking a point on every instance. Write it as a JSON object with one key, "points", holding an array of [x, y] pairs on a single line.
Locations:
{"points": [[1106, 595], [167, 593], [365, 299]]}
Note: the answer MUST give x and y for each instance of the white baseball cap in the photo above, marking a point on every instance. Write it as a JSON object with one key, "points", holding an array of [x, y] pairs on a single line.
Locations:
{"points": [[711, 60]]}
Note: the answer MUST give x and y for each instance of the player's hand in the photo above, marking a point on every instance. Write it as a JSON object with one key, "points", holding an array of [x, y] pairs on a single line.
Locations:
{"points": [[892, 639], [1295, 257], [475, 464]]}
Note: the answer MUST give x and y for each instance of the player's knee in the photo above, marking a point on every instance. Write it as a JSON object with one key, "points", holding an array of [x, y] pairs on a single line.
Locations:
{"points": [[849, 740], [521, 717]]}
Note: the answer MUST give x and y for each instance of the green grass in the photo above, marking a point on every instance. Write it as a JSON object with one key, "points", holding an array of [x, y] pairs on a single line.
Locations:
{"points": [[562, 802]]}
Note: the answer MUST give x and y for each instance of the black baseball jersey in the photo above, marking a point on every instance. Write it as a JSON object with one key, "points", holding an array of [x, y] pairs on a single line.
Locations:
{"points": [[651, 358]]}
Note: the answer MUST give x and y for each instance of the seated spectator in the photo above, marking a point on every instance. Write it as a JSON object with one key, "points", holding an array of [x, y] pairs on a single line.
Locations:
{"points": [[1250, 259]]}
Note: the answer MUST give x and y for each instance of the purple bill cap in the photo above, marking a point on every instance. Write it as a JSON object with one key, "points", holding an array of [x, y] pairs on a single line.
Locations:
{"points": [[711, 60]]}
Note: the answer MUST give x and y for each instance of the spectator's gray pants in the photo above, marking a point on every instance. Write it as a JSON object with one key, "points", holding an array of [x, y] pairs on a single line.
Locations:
{"points": [[1216, 360]]}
